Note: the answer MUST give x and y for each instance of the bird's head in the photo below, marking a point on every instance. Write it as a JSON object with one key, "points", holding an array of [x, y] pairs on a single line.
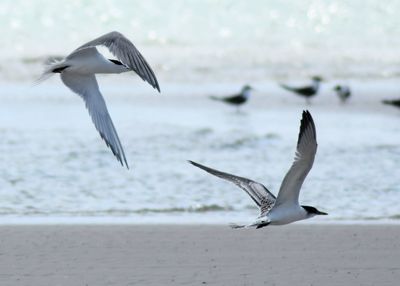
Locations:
{"points": [[311, 211], [247, 88], [317, 78], [337, 88]]}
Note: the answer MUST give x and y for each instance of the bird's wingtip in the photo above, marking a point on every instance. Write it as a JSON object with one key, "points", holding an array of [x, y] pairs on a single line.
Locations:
{"points": [[307, 115], [306, 120]]}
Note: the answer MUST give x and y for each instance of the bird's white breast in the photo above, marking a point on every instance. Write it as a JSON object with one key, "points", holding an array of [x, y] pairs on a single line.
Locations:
{"points": [[246, 94], [285, 214]]}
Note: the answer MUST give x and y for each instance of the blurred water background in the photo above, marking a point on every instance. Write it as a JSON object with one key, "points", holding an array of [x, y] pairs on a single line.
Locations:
{"points": [[54, 166]]}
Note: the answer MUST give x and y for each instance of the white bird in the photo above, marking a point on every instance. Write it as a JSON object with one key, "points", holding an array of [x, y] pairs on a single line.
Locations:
{"points": [[78, 69], [285, 208]]}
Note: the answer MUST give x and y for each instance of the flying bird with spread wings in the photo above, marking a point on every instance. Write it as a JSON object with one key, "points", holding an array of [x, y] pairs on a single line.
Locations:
{"points": [[284, 208], [78, 72]]}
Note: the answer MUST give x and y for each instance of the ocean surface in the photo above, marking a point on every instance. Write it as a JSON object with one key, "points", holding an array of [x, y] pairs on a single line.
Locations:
{"points": [[213, 40], [54, 166]]}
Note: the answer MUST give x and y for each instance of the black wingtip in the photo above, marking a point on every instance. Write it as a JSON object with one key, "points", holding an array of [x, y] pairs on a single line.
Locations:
{"points": [[306, 120], [199, 166], [157, 87]]}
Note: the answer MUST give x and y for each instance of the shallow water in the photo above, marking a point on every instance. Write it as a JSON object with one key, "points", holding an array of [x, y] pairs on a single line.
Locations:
{"points": [[54, 164]]}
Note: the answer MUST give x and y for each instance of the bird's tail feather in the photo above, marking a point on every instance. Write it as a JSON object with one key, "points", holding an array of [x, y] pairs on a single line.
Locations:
{"points": [[285, 86], [387, 101], [215, 97], [48, 72]]}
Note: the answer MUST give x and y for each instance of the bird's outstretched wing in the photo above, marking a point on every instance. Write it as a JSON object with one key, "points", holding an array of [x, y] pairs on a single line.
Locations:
{"points": [[127, 53], [303, 161], [86, 86], [263, 198]]}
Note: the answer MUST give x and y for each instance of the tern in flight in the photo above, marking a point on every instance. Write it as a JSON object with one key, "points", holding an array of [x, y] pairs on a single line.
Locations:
{"points": [[306, 91], [78, 70], [285, 208]]}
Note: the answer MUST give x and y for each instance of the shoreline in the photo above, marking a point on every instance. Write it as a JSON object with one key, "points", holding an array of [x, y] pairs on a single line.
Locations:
{"points": [[169, 221]]}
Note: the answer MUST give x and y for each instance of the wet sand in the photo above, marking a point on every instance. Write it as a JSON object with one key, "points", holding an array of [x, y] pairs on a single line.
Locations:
{"points": [[303, 254]]}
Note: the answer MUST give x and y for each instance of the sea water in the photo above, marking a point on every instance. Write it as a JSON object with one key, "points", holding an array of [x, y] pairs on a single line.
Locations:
{"points": [[213, 40]]}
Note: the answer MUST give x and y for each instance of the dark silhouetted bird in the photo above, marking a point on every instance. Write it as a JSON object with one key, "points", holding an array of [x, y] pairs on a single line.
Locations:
{"points": [[237, 99], [306, 91]]}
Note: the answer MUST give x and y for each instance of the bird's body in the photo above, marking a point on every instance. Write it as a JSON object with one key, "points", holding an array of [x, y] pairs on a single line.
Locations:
{"points": [[307, 91], [237, 99], [284, 208], [282, 214], [90, 61], [78, 70], [395, 102], [343, 92]]}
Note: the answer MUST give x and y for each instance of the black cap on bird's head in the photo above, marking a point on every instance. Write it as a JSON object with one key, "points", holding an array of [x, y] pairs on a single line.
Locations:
{"points": [[313, 211], [246, 87], [337, 88], [317, 78]]}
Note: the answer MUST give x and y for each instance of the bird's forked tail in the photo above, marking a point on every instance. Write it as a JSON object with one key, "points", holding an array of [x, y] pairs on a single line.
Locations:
{"points": [[52, 66], [286, 86]]}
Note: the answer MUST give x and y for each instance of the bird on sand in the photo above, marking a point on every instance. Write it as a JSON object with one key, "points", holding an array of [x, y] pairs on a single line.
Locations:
{"points": [[78, 70], [394, 102], [343, 92], [284, 208], [306, 91], [236, 99]]}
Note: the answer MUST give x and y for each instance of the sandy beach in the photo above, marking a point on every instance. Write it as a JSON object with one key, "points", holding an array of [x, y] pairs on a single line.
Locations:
{"points": [[302, 254]]}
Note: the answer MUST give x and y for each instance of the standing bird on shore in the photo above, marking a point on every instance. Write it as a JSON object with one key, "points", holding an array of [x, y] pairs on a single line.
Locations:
{"points": [[285, 208], [237, 99], [78, 70], [306, 91], [395, 102], [343, 92]]}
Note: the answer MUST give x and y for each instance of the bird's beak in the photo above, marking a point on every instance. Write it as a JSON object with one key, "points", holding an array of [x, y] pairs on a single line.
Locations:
{"points": [[321, 213]]}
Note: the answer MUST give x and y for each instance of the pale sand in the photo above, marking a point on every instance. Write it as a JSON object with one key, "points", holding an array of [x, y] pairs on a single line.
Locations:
{"points": [[200, 255]]}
